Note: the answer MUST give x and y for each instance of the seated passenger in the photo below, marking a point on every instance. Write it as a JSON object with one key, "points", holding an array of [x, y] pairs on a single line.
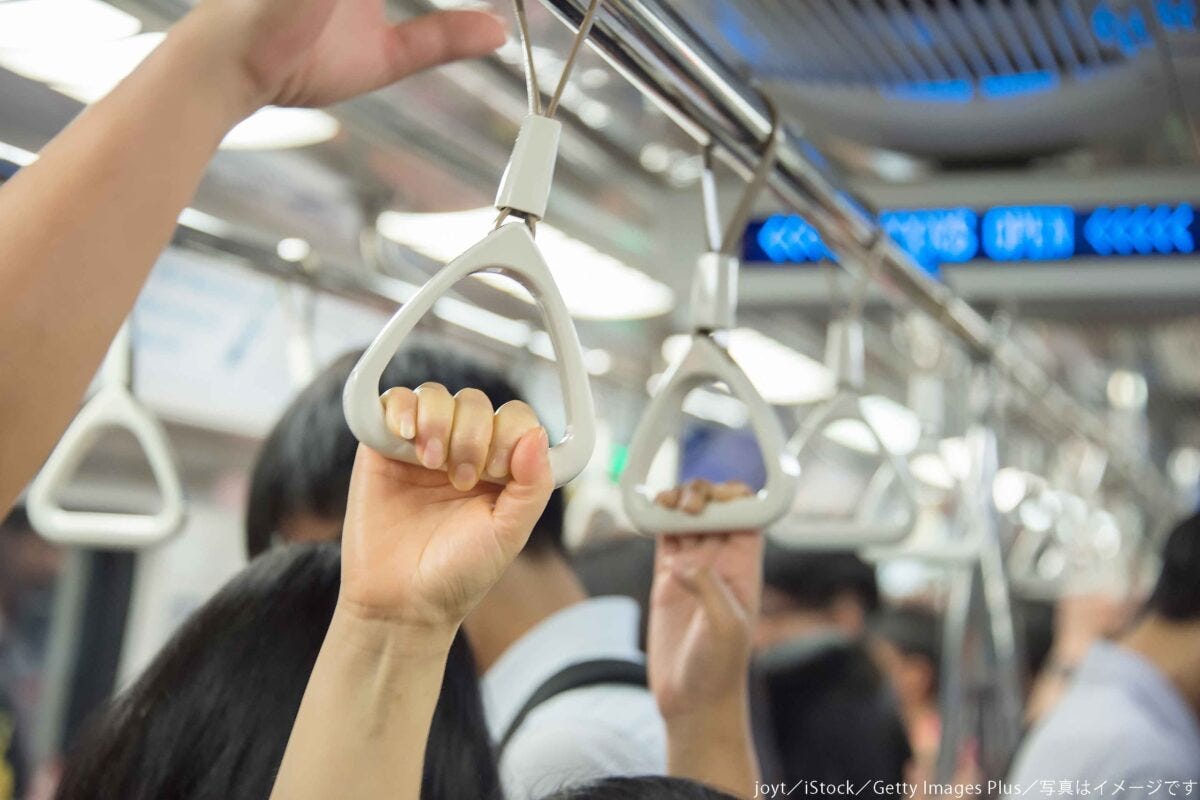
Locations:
{"points": [[561, 674], [1132, 713], [211, 715]]}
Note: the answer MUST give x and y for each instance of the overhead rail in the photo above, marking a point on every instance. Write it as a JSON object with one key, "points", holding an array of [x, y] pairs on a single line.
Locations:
{"points": [[648, 43]]}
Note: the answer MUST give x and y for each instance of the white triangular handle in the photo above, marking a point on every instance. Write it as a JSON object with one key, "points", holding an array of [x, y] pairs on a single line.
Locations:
{"points": [[112, 406], [846, 534], [705, 362], [508, 250]]}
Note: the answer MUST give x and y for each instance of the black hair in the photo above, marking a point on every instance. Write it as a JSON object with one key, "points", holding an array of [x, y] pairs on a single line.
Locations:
{"points": [[304, 466], [832, 718], [815, 580], [1176, 596], [210, 717], [641, 788]]}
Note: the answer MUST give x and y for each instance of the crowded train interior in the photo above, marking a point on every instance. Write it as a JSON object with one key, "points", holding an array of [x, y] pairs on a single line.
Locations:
{"points": [[599, 399]]}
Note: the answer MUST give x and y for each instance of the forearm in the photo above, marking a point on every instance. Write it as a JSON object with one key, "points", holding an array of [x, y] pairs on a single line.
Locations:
{"points": [[365, 717], [714, 745], [81, 228]]}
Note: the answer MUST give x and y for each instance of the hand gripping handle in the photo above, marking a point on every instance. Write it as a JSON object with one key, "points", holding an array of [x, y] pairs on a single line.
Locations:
{"points": [[846, 534], [704, 363], [111, 406], [508, 250]]}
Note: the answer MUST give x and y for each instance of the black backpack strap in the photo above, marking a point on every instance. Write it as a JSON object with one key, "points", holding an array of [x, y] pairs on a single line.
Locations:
{"points": [[600, 672]]}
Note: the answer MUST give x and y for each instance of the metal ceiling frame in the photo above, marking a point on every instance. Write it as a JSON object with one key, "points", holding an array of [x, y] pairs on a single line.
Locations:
{"points": [[650, 45]]}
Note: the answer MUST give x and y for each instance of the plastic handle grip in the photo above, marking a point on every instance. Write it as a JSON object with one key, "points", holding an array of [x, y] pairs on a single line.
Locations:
{"points": [[846, 534], [704, 363], [508, 250], [112, 406]]}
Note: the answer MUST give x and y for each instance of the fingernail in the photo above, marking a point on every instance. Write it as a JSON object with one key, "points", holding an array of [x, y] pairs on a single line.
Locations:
{"points": [[543, 437], [434, 455], [464, 477], [498, 467], [408, 425]]}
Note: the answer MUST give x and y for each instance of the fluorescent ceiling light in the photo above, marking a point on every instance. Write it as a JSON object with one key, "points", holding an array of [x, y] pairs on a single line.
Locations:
{"points": [[1127, 390], [292, 249], [85, 71], [274, 128], [16, 155], [593, 284], [595, 360], [716, 407], [473, 318], [783, 376], [1008, 489], [897, 426], [38, 24], [931, 469], [1183, 465]]}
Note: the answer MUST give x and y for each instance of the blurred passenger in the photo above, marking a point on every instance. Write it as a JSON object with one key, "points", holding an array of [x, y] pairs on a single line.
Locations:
{"points": [[562, 674], [211, 715], [29, 567], [907, 644], [827, 712], [1132, 713], [1079, 621]]}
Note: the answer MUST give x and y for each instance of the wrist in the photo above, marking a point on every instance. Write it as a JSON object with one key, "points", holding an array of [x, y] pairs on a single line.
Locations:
{"points": [[200, 44], [719, 720], [387, 637]]}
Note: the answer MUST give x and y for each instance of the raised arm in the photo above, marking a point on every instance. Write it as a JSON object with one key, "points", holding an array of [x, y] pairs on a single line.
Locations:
{"points": [[81, 227], [703, 608], [417, 555]]}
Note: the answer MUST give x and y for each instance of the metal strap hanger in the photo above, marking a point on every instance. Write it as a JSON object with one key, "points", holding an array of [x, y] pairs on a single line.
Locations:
{"points": [[706, 360], [111, 406], [845, 355], [508, 250]]}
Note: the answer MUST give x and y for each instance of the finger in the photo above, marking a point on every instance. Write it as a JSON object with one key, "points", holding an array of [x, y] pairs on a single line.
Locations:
{"points": [[695, 496], [435, 418], [520, 505], [730, 490], [400, 411], [720, 604], [470, 438], [438, 38], [668, 498], [513, 420]]}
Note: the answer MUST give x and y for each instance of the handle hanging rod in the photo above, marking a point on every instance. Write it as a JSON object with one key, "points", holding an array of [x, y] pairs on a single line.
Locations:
{"points": [[650, 45]]}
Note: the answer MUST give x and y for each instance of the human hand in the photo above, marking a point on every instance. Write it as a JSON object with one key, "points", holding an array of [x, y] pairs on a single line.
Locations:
{"points": [[317, 52], [703, 607], [422, 545]]}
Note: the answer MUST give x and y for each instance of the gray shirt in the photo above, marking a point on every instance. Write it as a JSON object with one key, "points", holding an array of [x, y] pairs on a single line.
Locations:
{"points": [[1122, 722]]}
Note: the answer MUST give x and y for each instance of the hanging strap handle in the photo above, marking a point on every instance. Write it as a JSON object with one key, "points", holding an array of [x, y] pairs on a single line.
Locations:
{"points": [[113, 405], [845, 355], [509, 250], [705, 362]]}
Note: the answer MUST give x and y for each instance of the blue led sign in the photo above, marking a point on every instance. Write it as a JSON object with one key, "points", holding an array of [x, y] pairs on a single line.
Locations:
{"points": [[1002, 233]]}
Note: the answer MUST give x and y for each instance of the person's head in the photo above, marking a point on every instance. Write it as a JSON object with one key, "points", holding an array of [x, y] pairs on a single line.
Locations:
{"points": [[29, 565], [1176, 595], [908, 646], [210, 717], [642, 788], [300, 481], [805, 592]]}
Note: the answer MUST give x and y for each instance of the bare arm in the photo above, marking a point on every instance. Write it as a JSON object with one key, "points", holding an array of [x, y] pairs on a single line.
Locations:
{"points": [[81, 227], [418, 553], [703, 608]]}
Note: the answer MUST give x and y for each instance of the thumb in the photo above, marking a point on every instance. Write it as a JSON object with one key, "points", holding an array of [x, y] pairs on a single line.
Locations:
{"points": [[520, 505], [441, 37]]}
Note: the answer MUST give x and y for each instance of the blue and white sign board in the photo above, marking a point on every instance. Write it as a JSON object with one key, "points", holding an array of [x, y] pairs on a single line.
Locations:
{"points": [[936, 236], [211, 342]]}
